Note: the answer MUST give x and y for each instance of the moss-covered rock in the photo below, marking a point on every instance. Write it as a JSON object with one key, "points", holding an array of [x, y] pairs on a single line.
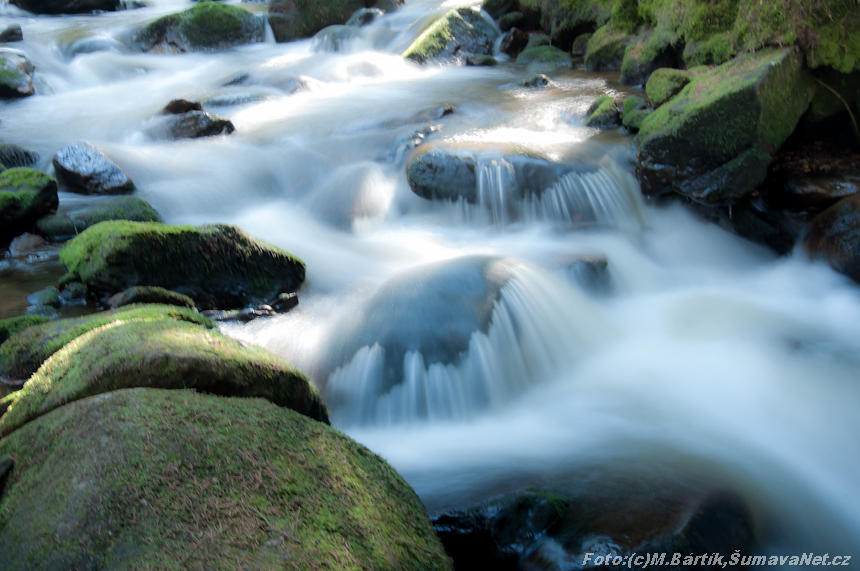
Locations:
{"points": [[67, 6], [218, 266], [834, 236], [205, 27], [606, 48], [536, 81], [544, 58], [456, 34], [580, 44], [49, 296], [65, 226], [295, 19], [24, 352], [149, 294], [15, 156], [634, 111], [481, 60], [715, 50], [714, 140], [603, 114], [16, 74], [537, 40], [85, 169], [654, 51], [511, 20], [164, 354], [665, 83], [203, 482], [25, 196], [11, 326]]}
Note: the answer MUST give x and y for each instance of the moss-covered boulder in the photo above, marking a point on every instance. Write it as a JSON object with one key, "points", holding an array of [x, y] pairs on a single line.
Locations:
{"points": [[715, 50], [208, 26], [24, 352], [11, 326], [218, 266], [25, 196], [455, 35], [606, 48], [164, 354], [538, 39], [665, 83], [15, 156], [580, 44], [85, 169], [714, 141], [654, 51], [634, 111], [149, 294], [63, 227], [294, 19], [544, 58], [511, 20], [67, 6], [834, 236], [174, 479], [16, 74], [602, 114]]}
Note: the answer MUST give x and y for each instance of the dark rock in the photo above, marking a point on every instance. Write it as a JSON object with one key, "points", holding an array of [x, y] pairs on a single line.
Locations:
{"points": [[544, 58], [635, 110], [63, 227], [26, 243], [291, 20], [6, 465], [12, 33], [514, 42], [85, 169], [240, 315], [335, 38], [511, 20], [15, 156], [817, 193], [74, 292], [454, 36], [190, 125], [218, 266], [149, 294], [834, 236], [482, 60], [50, 296], [761, 226], [179, 106], [16, 74], [498, 8], [285, 302], [540, 80], [25, 196], [66, 6], [208, 26], [580, 44], [364, 16], [602, 114]]}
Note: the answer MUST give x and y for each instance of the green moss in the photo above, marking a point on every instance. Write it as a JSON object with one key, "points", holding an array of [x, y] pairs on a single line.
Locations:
{"points": [[13, 325], [602, 114], [643, 57], [208, 25], [537, 40], [148, 294], [633, 103], [716, 50], [605, 50], [218, 266], [121, 208], [666, 83], [544, 58], [23, 353], [22, 178], [580, 44], [837, 44], [25, 195], [463, 26], [304, 18], [144, 478], [511, 20], [625, 16]]}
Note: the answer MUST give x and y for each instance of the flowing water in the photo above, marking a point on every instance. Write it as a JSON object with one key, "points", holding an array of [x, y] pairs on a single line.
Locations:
{"points": [[478, 346]]}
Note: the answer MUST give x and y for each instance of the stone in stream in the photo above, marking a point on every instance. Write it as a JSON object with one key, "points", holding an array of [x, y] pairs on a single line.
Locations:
{"points": [[537, 81], [633, 112], [14, 156], [544, 59], [65, 226], [218, 266], [654, 50], [291, 20], [208, 26], [834, 236], [179, 106], [25, 196], [714, 141], [482, 60], [454, 36], [84, 169], [50, 296], [203, 482], [190, 125], [13, 325], [602, 114], [364, 16], [66, 6], [12, 33], [16, 74], [335, 38], [26, 243], [74, 292], [149, 294], [605, 49], [514, 42]]}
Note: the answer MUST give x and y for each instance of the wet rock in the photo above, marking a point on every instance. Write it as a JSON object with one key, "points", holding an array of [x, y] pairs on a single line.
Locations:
{"points": [[25, 195], [291, 20], [544, 58], [16, 74], [26, 243], [814, 194], [655, 50], [84, 169], [605, 49], [178, 458], [602, 114], [149, 294], [13, 325], [93, 44], [754, 223], [285, 302], [634, 111], [482, 60], [12, 33], [180, 106], [580, 44], [63, 227], [208, 26], [714, 142], [190, 125], [335, 38], [66, 6], [14, 156], [514, 42], [74, 292], [240, 315], [25, 351], [591, 273], [498, 8], [665, 83], [454, 36], [218, 266], [408, 144], [364, 16], [540, 80], [50, 296], [834, 236], [511, 20]]}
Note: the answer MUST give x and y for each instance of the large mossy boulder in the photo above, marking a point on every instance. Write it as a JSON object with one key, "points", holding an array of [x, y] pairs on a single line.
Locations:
{"points": [[163, 354], [295, 19], [834, 236], [66, 6], [219, 266], [150, 294], [665, 83], [208, 26], [602, 114], [174, 479], [85, 169], [16, 74], [654, 51], [606, 48], [25, 196], [61, 227], [714, 141], [25, 351], [544, 58], [455, 35], [13, 325]]}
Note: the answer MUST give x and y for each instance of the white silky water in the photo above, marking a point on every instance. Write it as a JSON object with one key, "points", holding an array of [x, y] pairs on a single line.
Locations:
{"points": [[458, 340]]}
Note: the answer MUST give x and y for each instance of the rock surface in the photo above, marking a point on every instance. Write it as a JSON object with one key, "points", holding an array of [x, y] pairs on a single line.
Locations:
{"points": [[834, 236], [12, 33], [62, 227], [208, 26], [25, 195], [16, 74], [85, 169], [149, 294], [666, 83], [605, 50], [602, 114], [15, 156], [291, 20], [202, 482], [218, 266], [544, 59], [190, 125], [455, 35]]}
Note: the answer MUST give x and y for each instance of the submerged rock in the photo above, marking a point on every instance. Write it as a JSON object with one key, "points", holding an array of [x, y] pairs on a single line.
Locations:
{"points": [[12, 33], [454, 36], [208, 26], [218, 266], [203, 482], [291, 20], [62, 227], [85, 169], [190, 125], [66, 6], [539, 80], [482, 60], [544, 58], [16, 74], [714, 141], [364, 16], [666, 83], [14, 156], [149, 294], [834, 236], [602, 114], [25, 195]]}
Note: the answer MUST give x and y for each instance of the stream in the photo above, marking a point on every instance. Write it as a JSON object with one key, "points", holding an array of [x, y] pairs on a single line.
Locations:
{"points": [[479, 348]]}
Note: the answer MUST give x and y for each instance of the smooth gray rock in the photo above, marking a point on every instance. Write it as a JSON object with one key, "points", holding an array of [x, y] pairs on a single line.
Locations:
{"points": [[86, 170]]}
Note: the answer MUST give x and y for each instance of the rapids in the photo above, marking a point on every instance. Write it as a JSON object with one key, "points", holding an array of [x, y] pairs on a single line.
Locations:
{"points": [[453, 339]]}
